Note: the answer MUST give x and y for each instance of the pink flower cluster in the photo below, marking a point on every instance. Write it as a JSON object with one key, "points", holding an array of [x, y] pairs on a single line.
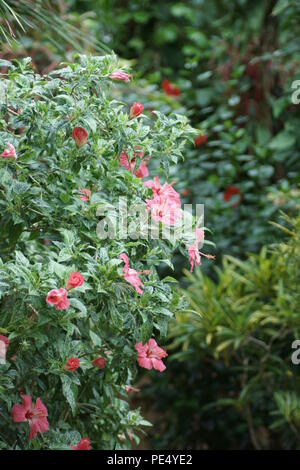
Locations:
{"points": [[165, 206], [59, 297]]}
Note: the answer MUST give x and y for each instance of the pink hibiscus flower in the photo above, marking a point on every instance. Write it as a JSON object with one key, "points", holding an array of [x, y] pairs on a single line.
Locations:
{"points": [[86, 194], [193, 251], [9, 152], [132, 276], [164, 210], [165, 191], [35, 415], [58, 297], [140, 172], [165, 206], [150, 355]]}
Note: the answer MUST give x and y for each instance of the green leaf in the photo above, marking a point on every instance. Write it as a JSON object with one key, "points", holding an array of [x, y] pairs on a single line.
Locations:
{"points": [[68, 389], [282, 141], [79, 306]]}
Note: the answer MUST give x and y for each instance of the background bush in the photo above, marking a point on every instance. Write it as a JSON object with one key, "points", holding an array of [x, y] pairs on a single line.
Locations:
{"points": [[232, 383]]}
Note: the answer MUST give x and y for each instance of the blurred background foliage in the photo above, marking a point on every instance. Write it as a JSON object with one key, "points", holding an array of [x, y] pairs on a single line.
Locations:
{"points": [[228, 66], [231, 383]]}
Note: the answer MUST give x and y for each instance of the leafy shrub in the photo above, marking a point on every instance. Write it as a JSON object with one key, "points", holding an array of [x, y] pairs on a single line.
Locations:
{"points": [[61, 136], [233, 368]]}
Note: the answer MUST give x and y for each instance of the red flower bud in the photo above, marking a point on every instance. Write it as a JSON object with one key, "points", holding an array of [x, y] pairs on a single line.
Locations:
{"points": [[170, 89], [72, 364], [99, 362], [83, 444], [75, 280], [80, 136], [232, 191], [200, 140], [136, 109], [120, 76]]}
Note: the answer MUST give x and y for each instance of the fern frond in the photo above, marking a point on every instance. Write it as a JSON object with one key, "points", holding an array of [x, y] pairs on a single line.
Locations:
{"points": [[17, 17]]}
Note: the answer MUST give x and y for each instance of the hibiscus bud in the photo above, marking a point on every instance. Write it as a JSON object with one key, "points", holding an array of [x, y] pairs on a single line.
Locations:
{"points": [[83, 444], [80, 136], [72, 364], [120, 76], [130, 389], [75, 280], [136, 109], [170, 89], [200, 140], [230, 192], [99, 362]]}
